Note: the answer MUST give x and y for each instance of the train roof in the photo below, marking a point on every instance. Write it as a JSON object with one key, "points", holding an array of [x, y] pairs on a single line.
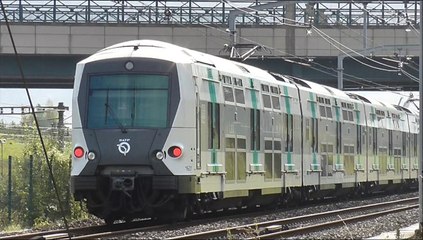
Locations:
{"points": [[173, 52]]}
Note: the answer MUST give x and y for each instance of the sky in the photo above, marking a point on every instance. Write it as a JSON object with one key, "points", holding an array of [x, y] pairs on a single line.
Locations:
{"points": [[17, 98]]}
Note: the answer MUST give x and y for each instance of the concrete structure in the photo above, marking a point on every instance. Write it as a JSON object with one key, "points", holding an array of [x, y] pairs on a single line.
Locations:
{"points": [[53, 35], [86, 39]]}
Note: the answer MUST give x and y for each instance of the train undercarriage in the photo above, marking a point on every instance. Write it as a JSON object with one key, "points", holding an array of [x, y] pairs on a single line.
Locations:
{"points": [[122, 198]]}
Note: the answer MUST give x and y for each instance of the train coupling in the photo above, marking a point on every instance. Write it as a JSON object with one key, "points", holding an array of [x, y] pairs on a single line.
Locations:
{"points": [[123, 183]]}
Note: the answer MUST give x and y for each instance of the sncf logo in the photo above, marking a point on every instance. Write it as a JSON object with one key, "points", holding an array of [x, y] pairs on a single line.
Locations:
{"points": [[124, 147]]}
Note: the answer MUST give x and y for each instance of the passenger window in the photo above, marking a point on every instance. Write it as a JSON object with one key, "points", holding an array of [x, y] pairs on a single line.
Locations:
{"points": [[322, 111], [275, 101], [266, 101], [239, 96], [228, 94], [328, 112]]}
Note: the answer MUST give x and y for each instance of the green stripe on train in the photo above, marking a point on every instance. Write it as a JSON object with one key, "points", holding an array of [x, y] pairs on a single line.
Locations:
{"points": [[254, 105], [213, 99], [338, 120], [314, 116], [288, 111], [357, 121]]}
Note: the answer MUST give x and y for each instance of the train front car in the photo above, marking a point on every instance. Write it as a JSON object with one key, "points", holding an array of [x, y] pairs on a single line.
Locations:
{"points": [[131, 137]]}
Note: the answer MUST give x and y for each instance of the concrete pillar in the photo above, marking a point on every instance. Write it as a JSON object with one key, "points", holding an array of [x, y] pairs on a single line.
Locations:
{"points": [[290, 31]]}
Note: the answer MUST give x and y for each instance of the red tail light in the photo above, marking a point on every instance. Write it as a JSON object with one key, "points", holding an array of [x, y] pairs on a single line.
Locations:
{"points": [[175, 151], [78, 152]]}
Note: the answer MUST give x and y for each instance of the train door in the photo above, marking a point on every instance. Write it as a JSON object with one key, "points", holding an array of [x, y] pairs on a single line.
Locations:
{"points": [[372, 160], [209, 144], [360, 120], [272, 133], [234, 127], [312, 142], [405, 162]]}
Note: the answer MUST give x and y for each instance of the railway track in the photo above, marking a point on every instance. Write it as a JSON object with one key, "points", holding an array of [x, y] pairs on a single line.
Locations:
{"points": [[305, 224], [270, 229], [82, 231]]}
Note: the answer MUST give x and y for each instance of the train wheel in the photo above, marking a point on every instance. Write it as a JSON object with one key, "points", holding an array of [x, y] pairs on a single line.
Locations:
{"points": [[109, 220]]}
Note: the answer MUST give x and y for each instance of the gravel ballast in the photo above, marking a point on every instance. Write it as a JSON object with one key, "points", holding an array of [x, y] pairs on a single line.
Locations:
{"points": [[358, 230]]}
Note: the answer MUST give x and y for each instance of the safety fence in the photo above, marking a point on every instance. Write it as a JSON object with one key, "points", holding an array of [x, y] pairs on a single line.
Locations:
{"points": [[28, 194]]}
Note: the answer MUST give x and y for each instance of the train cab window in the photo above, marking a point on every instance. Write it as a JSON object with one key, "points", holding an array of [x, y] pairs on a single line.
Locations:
{"points": [[228, 94], [128, 101], [265, 88], [239, 96]]}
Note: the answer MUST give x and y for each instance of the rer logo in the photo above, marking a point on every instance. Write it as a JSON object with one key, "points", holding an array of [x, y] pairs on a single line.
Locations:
{"points": [[124, 147]]}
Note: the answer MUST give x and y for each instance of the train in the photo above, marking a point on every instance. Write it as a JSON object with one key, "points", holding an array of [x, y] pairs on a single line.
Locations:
{"points": [[165, 132]]}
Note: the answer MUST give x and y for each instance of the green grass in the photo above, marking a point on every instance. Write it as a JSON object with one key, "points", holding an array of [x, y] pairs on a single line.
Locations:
{"points": [[12, 147]]}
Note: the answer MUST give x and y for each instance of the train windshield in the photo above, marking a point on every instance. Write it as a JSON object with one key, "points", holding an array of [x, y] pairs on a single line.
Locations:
{"points": [[128, 101]]}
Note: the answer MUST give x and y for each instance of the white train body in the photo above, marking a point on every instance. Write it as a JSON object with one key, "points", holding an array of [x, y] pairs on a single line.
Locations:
{"points": [[160, 128]]}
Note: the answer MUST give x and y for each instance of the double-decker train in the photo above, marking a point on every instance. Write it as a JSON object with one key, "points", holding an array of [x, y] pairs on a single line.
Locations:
{"points": [[162, 131]]}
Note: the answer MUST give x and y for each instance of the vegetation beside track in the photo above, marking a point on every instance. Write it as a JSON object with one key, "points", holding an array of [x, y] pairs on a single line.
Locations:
{"points": [[29, 200]]}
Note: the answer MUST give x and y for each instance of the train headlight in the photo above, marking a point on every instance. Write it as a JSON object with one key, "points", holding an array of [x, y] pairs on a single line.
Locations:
{"points": [[91, 156], [175, 151], [129, 65], [78, 152], [159, 155]]}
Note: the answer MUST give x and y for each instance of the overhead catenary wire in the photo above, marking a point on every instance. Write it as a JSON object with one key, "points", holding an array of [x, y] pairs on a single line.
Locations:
{"points": [[204, 33], [330, 40], [361, 81], [20, 67], [394, 69]]}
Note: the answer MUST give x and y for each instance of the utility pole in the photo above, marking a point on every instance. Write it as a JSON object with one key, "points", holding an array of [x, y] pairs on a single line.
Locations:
{"points": [[60, 125]]}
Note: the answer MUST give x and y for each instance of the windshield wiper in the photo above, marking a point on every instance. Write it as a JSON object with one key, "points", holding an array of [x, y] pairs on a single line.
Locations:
{"points": [[114, 118]]}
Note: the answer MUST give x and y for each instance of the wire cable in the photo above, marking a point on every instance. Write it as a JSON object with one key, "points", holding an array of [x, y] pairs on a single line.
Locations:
{"points": [[329, 39], [53, 180]]}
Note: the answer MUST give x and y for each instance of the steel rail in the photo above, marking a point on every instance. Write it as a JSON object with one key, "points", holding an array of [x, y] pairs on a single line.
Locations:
{"points": [[319, 226], [59, 233], [141, 226], [281, 223]]}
